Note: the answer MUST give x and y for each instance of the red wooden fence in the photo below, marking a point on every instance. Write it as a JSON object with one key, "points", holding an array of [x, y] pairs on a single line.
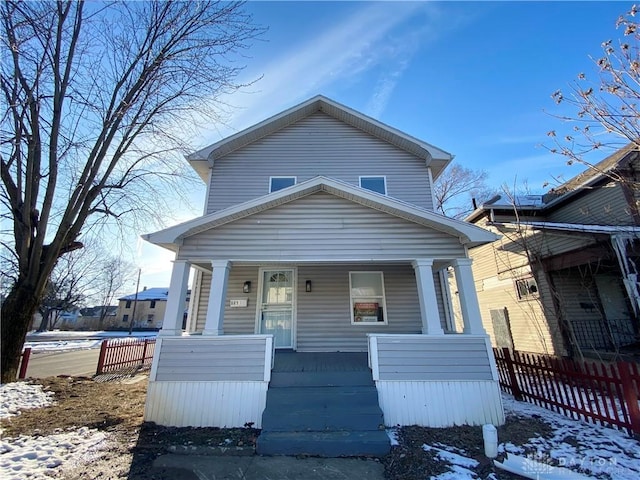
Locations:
{"points": [[119, 354], [602, 393]]}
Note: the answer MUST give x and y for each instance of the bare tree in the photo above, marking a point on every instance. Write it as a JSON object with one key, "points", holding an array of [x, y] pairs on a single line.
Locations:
{"points": [[457, 188], [114, 274], [97, 96], [604, 109]]}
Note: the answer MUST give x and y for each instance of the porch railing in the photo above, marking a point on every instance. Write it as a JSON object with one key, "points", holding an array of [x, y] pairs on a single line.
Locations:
{"points": [[606, 394]]}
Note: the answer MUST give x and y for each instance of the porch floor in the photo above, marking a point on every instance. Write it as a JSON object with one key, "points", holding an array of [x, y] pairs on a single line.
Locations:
{"points": [[290, 361]]}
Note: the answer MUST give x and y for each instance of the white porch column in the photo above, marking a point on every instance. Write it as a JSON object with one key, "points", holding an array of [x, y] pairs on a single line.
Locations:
{"points": [[174, 312], [468, 297], [217, 296], [423, 268]]}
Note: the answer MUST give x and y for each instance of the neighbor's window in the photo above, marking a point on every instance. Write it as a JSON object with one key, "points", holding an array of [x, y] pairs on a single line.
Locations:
{"points": [[125, 318], [152, 304], [150, 318], [278, 183], [128, 304], [375, 184], [367, 298], [526, 288]]}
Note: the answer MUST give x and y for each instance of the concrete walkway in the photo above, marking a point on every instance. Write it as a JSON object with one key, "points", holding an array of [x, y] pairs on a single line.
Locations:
{"points": [[183, 467]]}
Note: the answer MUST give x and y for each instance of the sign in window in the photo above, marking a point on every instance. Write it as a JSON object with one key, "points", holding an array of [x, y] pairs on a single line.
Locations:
{"points": [[367, 298]]}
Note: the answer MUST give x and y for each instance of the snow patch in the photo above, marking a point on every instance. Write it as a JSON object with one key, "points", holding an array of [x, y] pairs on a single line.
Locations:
{"points": [[35, 458], [20, 396]]}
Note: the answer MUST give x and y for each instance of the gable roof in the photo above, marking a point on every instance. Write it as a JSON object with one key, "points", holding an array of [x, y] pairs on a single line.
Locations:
{"points": [[434, 157], [469, 234], [563, 192], [591, 175]]}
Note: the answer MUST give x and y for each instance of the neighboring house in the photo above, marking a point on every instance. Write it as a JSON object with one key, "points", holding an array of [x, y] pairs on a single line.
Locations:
{"points": [[563, 277], [319, 237], [146, 309]]}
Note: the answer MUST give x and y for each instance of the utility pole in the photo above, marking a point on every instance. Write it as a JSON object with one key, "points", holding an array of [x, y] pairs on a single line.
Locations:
{"points": [[135, 303]]}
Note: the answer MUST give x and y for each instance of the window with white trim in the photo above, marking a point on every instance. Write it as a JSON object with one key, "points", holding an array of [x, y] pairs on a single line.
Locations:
{"points": [[376, 184], [366, 292], [278, 183], [526, 288]]}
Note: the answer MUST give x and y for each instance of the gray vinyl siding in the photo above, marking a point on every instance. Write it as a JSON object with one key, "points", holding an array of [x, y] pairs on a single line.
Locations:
{"points": [[323, 317], [427, 358], [320, 227], [203, 301], [605, 205], [197, 359], [241, 320], [317, 145]]}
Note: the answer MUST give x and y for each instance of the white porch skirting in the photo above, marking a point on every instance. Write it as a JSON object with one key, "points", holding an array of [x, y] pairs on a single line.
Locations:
{"points": [[209, 381], [440, 403], [436, 380], [206, 404]]}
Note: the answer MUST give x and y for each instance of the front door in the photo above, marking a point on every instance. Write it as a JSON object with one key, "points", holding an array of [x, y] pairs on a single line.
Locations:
{"points": [[276, 309]]}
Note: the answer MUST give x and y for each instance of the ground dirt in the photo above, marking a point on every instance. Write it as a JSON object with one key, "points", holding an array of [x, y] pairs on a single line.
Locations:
{"points": [[117, 408]]}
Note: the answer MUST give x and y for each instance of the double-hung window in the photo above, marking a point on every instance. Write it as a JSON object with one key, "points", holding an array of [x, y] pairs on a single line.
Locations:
{"points": [[367, 298], [278, 183], [376, 184]]}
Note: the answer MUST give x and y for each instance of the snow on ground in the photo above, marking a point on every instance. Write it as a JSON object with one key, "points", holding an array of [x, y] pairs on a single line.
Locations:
{"points": [[579, 445], [460, 466], [76, 340], [597, 451], [20, 396], [36, 458], [591, 449]]}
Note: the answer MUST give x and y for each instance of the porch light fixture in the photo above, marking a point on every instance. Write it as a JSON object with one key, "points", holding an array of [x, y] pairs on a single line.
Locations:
{"points": [[307, 286], [246, 288]]}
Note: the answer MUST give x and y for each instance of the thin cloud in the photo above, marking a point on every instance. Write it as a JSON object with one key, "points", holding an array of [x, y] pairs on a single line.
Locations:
{"points": [[352, 47]]}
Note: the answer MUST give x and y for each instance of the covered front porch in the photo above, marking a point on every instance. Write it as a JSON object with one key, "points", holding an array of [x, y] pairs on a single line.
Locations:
{"points": [[220, 371], [323, 306]]}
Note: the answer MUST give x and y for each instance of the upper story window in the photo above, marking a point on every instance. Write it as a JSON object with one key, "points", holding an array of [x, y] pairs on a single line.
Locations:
{"points": [[374, 183], [152, 304], [278, 183], [128, 304]]}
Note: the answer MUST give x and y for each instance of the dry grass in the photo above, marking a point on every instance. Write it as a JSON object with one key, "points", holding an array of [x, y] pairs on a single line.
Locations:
{"points": [[82, 402]]}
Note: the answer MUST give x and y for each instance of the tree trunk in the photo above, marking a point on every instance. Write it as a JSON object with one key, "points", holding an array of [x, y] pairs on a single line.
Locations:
{"points": [[44, 323], [17, 312]]}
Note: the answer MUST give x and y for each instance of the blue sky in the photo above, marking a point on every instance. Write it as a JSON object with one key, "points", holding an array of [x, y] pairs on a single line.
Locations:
{"points": [[473, 78]]}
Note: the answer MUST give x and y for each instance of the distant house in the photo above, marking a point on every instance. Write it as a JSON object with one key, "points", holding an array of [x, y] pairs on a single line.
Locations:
{"points": [[90, 318], [563, 277], [320, 280], [146, 309]]}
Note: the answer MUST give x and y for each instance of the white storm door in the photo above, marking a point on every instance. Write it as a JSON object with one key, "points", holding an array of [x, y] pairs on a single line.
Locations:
{"points": [[276, 309]]}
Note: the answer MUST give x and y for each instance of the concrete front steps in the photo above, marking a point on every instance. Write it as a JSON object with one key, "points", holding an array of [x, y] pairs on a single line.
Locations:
{"points": [[321, 413]]}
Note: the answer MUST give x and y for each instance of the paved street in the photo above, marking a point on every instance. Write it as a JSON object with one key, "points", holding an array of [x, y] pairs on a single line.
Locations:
{"points": [[76, 363]]}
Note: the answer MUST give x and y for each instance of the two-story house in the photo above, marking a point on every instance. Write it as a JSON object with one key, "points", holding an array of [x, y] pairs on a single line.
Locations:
{"points": [[320, 307], [146, 309], [563, 278]]}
